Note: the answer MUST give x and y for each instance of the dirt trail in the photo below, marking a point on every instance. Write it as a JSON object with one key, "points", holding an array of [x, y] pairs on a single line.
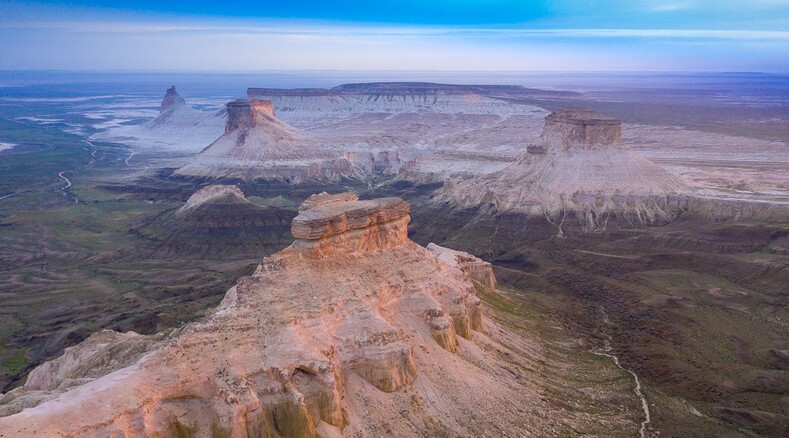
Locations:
{"points": [[66, 187], [637, 388]]}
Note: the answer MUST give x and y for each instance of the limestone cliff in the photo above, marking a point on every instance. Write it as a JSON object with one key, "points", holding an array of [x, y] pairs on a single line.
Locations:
{"points": [[257, 145], [581, 169]]}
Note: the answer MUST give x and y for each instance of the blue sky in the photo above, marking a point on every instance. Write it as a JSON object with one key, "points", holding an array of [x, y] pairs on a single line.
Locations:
{"points": [[481, 35]]}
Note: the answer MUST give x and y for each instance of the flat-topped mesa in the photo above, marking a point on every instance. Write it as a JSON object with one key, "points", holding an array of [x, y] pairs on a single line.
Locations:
{"points": [[567, 127], [247, 113], [342, 223], [171, 99]]}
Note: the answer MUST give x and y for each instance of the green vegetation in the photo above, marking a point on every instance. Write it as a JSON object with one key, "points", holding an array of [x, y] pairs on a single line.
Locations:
{"points": [[697, 310]]}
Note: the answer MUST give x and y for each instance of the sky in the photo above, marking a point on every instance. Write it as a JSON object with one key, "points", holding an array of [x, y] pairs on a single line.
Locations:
{"points": [[438, 35]]}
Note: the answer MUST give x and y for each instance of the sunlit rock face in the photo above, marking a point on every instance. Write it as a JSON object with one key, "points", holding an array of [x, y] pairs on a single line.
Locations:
{"points": [[335, 315], [476, 268], [580, 172]]}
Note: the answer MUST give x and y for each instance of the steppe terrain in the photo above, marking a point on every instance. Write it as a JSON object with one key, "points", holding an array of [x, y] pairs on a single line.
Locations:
{"points": [[97, 233]]}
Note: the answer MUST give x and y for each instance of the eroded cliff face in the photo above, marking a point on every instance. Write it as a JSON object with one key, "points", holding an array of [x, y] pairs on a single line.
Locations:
{"points": [[340, 310], [574, 127], [579, 172], [247, 113], [257, 145]]}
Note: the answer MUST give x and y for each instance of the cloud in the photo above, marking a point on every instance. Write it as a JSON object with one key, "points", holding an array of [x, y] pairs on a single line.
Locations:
{"points": [[135, 42]]}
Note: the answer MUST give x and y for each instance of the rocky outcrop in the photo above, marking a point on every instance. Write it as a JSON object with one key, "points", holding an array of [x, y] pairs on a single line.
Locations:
{"points": [[256, 145], [171, 99], [581, 172], [569, 127], [214, 192], [98, 355], [476, 268], [178, 128], [278, 357], [246, 114], [217, 222]]}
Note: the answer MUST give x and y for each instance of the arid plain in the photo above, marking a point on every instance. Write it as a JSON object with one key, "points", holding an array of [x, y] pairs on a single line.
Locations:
{"points": [[641, 259]]}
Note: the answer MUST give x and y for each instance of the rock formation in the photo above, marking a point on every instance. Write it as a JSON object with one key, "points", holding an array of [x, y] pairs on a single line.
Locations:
{"points": [[578, 127], [277, 357], [177, 128], [257, 145], [98, 355], [476, 268], [171, 99], [426, 132], [581, 169], [224, 194], [217, 221]]}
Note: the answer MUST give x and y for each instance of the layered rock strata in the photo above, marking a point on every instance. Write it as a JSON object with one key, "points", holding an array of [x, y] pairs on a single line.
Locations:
{"points": [[257, 145], [422, 132], [217, 221], [580, 171], [477, 269], [283, 351]]}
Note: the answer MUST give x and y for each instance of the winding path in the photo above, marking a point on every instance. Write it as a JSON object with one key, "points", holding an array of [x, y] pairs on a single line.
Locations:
{"points": [[130, 157], [637, 389], [66, 187]]}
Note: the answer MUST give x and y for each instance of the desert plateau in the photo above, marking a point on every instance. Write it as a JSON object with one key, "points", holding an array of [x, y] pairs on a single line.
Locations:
{"points": [[481, 220]]}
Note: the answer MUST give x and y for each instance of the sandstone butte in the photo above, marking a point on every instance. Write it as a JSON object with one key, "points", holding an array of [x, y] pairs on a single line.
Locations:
{"points": [[353, 330]]}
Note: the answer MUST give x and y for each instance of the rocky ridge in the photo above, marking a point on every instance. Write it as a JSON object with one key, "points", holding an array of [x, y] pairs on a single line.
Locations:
{"points": [[217, 221], [292, 347], [213, 192], [424, 132]]}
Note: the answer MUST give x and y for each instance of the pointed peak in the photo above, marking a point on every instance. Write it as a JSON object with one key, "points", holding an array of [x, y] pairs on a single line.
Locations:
{"points": [[171, 99]]}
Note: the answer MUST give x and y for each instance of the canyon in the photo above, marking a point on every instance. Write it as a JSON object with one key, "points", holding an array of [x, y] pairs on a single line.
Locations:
{"points": [[352, 329], [516, 261]]}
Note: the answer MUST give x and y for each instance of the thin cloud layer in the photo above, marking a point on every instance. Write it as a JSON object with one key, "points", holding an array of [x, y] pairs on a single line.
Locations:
{"points": [[79, 38]]}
